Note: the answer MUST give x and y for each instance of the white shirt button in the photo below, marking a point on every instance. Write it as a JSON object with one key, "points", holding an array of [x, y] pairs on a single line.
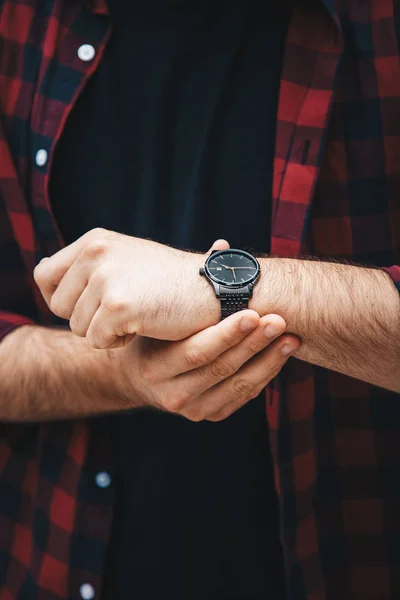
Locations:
{"points": [[41, 157], [87, 591], [86, 52], [103, 479]]}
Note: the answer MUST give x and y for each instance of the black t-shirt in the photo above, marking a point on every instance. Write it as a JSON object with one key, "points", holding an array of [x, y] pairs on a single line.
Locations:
{"points": [[173, 139]]}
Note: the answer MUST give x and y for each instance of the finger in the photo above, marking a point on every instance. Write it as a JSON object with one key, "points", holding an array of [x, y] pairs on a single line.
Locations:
{"points": [[68, 292], [49, 272], [228, 363], [84, 311], [121, 341], [201, 348], [286, 348], [220, 244], [227, 397], [108, 325]]}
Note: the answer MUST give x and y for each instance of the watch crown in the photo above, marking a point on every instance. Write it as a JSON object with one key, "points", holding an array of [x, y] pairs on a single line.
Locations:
{"points": [[201, 271]]}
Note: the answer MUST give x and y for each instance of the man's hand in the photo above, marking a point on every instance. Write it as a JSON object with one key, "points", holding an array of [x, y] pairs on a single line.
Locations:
{"points": [[50, 374], [211, 374], [112, 287]]}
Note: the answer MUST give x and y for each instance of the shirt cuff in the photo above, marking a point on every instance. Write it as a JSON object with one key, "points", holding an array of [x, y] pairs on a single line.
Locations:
{"points": [[394, 273]]}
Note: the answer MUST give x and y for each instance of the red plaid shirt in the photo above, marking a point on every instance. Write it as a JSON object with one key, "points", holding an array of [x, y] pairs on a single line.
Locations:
{"points": [[335, 440]]}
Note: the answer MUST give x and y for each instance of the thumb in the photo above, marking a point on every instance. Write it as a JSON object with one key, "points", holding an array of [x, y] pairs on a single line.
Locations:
{"points": [[219, 245]]}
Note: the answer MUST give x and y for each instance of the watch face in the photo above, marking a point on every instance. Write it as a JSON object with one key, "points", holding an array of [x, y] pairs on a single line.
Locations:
{"points": [[232, 268]]}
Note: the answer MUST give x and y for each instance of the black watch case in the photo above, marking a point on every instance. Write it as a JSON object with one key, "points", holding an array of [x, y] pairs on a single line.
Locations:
{"points": [[242, 260]]}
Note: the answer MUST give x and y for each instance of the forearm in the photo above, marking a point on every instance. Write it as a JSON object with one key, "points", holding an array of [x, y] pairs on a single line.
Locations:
{"points": [[50, 374], [347, 317]]}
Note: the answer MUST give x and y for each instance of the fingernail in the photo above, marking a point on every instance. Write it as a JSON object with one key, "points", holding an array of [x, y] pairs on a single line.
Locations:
{"points": [[271, 330], [247, 324], [288, 349]]}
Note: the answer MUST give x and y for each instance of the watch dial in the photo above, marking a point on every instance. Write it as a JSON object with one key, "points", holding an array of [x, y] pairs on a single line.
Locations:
{"points": [[232, 267]]}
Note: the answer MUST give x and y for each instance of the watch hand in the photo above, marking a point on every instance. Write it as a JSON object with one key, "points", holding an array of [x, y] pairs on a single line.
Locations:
{"points": [[234, 274]]}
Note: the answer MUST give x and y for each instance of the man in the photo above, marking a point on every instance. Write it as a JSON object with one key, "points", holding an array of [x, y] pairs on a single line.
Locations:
{"points": [[125, 121]]}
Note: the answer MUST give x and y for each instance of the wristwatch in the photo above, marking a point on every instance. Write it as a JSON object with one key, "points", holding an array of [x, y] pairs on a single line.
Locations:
{"points": [[233, 274]]}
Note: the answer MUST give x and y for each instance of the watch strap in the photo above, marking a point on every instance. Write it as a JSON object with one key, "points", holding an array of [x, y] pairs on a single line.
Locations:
{"points": [[233, 300]]}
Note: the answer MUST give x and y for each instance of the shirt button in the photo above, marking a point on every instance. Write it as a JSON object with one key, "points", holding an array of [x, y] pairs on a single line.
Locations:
{"points": [[103, 479], [41, 157], [86, 52], [87, 591]]}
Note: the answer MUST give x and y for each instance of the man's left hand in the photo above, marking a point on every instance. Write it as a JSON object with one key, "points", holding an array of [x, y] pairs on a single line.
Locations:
{"points": [[112, 287]]}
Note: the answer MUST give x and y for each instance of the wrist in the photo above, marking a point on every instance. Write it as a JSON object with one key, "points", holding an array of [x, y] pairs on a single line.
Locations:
{"points": [[205, 306], [266, 297], [96, 372]]}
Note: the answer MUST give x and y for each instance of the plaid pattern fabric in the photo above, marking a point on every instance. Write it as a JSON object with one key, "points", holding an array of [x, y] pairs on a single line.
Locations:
{"points": [[337, 173]]}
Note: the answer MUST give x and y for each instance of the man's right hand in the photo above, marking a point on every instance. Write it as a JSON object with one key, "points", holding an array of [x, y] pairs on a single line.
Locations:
{"points": [[209, 375], [50, 374]]}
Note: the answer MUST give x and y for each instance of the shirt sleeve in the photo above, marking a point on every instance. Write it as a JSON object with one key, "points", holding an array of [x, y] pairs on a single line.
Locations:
{"points": [[394, 273], [10, 321]]}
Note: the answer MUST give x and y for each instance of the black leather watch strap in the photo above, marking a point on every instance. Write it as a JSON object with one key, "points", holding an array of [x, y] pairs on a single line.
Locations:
{"points": [[233, 300]]}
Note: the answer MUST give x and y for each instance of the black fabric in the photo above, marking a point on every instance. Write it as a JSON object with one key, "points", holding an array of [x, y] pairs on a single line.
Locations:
{"points": [[173, 139]]}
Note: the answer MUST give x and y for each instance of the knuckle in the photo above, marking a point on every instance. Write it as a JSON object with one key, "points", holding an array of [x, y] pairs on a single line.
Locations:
{"points": [[58, 307], [229, 338], [215, 418], [243, 387], [136, 327], [194, 415], [255, 346], [76, 326], [39, 274], [113, 302], [94, 338], [99, 277], [93, 342], [175, 404], [234, 406], [257, 391], [221, 369], [97, 232], [224, 413], [221, 416], [95, 249], [195, 357], [274, 371]]}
